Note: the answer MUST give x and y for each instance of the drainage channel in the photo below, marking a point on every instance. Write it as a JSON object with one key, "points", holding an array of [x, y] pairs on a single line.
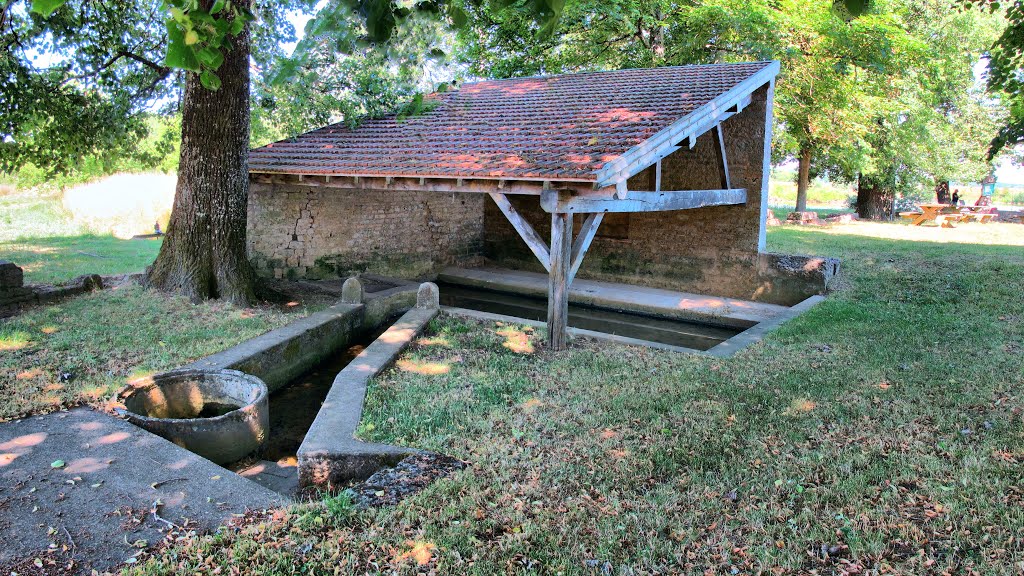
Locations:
{"points": [[682, 333], [292, 410]]}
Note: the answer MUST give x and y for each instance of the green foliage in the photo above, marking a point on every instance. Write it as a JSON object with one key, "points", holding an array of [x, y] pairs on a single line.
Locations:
{"points": [[1006, 60], [157, 150]]}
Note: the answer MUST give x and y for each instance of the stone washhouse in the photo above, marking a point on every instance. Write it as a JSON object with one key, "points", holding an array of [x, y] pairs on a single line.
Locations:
{"points": [[646, 177]]}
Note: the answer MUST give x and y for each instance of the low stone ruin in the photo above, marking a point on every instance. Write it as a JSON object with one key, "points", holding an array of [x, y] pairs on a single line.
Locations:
{"points": [[15, 295]]}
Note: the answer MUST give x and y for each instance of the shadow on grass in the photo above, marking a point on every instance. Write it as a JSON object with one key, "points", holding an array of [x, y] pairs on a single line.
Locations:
{"points": [[61, 258]]}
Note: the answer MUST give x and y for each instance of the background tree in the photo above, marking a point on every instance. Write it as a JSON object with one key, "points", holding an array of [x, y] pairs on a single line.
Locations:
{"points": [[1005, 63], [930, 122]]}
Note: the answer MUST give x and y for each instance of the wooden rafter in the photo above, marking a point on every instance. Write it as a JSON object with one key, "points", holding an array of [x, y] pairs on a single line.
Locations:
{"points": [[526, 232], [422, 184], [557, 201]]}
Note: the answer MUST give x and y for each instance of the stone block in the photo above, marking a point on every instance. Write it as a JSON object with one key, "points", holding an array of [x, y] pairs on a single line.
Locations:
{"points": [[802, 218], [428, 296], [11, 276], [352, 291]]}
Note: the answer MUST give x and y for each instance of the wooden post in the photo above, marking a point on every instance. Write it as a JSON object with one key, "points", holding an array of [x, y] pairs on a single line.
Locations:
{"points": [[558, 280]]}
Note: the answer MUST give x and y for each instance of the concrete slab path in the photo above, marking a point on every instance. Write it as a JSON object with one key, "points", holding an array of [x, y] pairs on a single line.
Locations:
{"points": [[80, 487]]}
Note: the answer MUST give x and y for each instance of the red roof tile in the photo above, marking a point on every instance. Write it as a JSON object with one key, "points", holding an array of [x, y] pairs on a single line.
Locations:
{"points": [[546, 128]]}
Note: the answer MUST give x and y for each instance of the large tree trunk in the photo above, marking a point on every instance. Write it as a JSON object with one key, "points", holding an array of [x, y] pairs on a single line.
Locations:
{"points": [[803, 180], [203, 255], [874, 202]]}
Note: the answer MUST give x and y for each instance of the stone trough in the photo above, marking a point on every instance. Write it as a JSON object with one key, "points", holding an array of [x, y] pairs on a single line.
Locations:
{"points": [[217, 407], [221, 415]]}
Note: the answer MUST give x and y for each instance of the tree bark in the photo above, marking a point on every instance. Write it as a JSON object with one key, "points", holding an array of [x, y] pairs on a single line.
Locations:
{"points": [[803, 179], [204, 252], [874, 202]]}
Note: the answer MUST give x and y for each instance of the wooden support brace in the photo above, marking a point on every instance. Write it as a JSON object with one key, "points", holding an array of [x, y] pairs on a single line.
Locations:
{"points": [[558, 281], [582, 242], [723, 160], [526, 232], [555, 201]]}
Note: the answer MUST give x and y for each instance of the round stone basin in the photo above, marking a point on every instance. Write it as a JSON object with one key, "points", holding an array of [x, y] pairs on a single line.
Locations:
{"points": [[221, 415]]}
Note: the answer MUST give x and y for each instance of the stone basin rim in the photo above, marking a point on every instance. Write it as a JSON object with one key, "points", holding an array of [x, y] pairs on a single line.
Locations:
{"points": [[154, 382]]}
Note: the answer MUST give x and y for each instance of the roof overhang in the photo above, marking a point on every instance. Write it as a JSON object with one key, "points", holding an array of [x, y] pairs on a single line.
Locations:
{"points": [[684, 131]]}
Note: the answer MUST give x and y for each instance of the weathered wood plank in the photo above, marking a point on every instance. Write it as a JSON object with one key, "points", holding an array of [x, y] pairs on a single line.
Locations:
{"points": [[526, 232], [418, 184], [723, 160], [558, 281], [582, 242], [559, 201]]}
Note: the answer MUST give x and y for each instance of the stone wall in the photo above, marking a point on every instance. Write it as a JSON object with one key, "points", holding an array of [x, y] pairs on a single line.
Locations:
{"points": [[300, 231]]}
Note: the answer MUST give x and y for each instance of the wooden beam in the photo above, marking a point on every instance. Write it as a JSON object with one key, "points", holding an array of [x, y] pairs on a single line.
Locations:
{"points": [[418, 183], [582, 242], [526, 232], [696, 123], [657, 176], [558, 281], [723, 160], [557, 201], [621, 190]]}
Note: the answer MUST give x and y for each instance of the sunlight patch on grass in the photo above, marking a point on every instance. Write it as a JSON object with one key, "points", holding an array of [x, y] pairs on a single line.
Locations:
{"points": [[424, 367], [434, 341], [517, 339], [418, 551], [801, 406], [14, 340]]}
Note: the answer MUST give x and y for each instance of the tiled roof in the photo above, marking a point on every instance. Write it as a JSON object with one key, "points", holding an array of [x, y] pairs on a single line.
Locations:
{"points": [[545, 128]]}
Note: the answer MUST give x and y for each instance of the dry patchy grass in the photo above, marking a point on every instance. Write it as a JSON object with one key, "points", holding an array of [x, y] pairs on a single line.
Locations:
{"points": [[84, 349], [879, 433]]}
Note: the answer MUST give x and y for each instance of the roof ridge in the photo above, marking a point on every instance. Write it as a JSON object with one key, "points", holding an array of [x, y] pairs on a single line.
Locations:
{"points": [[596, 72]]}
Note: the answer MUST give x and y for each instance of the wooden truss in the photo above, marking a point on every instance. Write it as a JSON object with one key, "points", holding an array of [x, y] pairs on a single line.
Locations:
{"points": [[563, 258]]}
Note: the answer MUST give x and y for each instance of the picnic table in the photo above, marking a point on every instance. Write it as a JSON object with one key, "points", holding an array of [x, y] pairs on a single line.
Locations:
{"points": [[931, 212]]}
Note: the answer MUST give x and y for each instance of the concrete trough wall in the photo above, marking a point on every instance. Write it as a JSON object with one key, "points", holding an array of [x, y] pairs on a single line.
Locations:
{"points": [[281, 355], [330, 453]]}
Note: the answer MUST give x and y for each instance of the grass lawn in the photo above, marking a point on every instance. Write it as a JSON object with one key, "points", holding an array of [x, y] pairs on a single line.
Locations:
{"points": [[39, 235], [880, 432], [84, 349]]}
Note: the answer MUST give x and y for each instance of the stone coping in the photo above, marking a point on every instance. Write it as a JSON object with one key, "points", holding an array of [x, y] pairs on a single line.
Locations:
{"points": [[666, 303], [281, 355], [330, 454], [726, 349]]}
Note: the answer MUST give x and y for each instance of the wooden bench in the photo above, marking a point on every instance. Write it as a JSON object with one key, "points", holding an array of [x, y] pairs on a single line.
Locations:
{"points": [[981, 218], [914, 217], [947, 220]]}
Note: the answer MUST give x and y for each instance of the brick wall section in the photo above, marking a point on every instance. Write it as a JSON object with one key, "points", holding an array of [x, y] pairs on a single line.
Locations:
{"points": [[312, 232], [714, 250]]}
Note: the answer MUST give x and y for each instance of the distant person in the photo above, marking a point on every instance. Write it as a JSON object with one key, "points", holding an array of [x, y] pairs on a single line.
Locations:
{"points": [[956, 197]]}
